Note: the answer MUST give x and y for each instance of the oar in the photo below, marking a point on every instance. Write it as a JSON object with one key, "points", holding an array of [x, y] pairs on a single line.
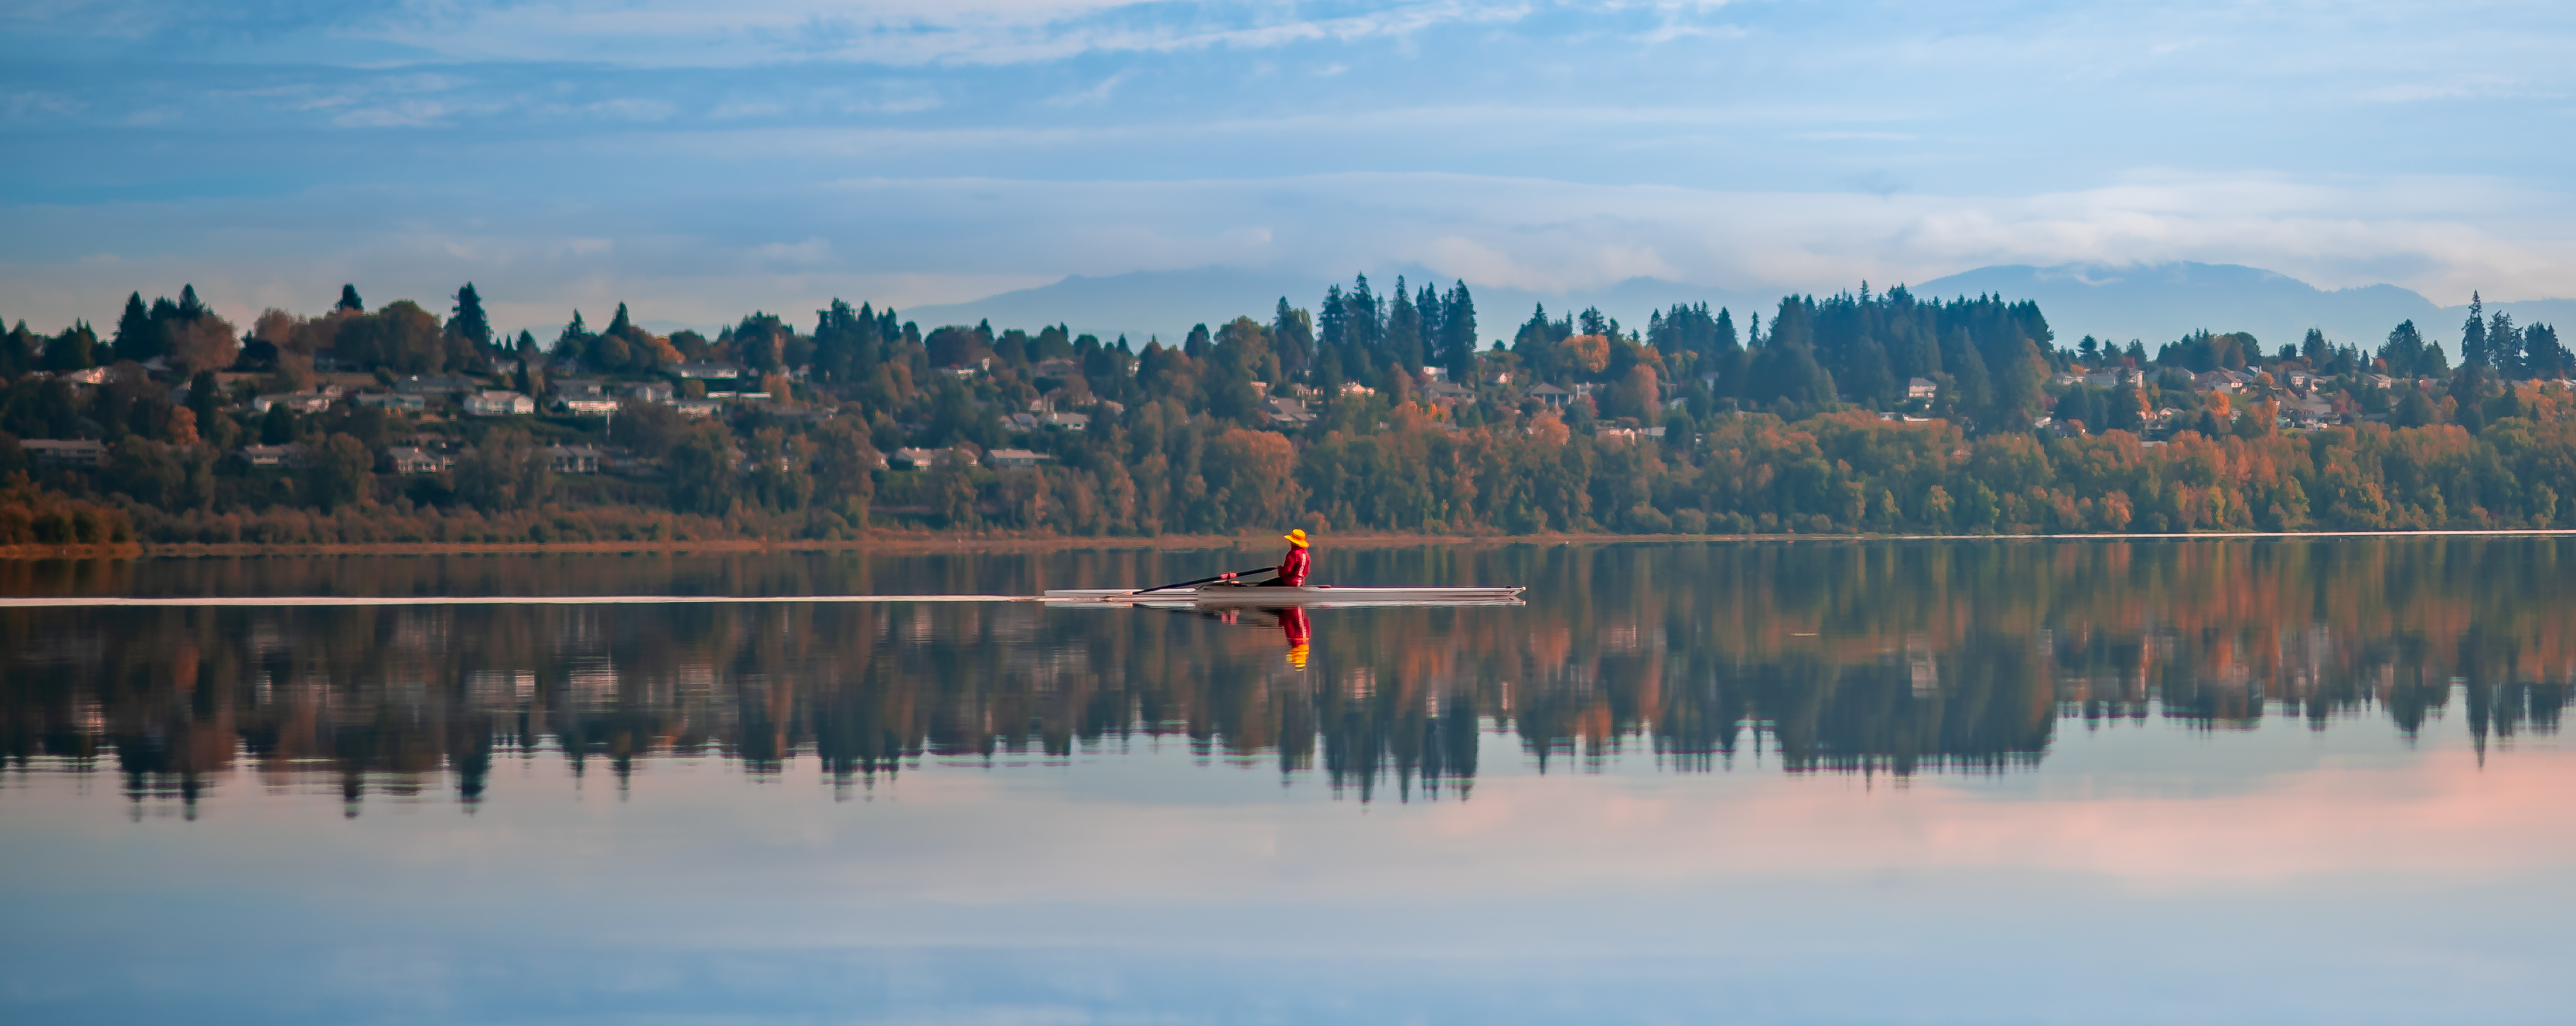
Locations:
{"points": [[1226, 576]]}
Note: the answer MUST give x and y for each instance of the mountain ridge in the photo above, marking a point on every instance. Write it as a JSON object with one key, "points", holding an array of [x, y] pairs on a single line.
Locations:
{"points": [[2154, 303]]}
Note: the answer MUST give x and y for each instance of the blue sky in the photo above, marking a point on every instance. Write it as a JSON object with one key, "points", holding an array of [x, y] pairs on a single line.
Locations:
{"points": [[704, 160]]}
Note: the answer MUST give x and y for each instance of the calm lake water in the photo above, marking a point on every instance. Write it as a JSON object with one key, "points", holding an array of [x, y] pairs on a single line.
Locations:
{"points": [[1906, 782]]}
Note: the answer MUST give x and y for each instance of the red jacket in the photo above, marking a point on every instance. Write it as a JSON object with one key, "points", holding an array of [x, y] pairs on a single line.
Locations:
{"points": [[1292, 570]]}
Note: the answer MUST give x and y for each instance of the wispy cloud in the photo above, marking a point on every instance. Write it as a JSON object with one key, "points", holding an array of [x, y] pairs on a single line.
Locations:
{"points": [[1095, 94]]}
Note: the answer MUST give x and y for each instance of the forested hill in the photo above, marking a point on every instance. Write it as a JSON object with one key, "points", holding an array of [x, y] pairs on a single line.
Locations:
{"points": [[1368, 410]]}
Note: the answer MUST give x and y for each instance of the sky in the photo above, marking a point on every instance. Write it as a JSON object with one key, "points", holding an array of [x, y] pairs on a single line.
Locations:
{"points": [[701, 161]]}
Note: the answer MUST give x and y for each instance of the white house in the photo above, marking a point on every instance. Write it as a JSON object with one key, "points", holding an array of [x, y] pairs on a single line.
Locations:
{"points": [[66, 452], [1001, 459], [496, 403], [706, 371], [1920, 388], [416, 460]]}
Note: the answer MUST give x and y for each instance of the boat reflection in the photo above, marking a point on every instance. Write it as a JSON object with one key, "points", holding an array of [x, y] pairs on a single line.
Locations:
{"points": [[1842, 659]]}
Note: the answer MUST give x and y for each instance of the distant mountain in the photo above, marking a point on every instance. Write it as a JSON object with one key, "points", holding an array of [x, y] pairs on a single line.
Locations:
{"points": [[2162, 302], [2156, 303], [1143, 304]]}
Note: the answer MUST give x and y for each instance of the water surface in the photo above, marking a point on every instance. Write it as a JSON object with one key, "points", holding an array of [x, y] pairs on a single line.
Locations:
{"points": [[2230, 781]]}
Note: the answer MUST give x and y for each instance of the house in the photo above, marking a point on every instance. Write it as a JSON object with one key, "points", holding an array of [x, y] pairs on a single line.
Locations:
{"points": [[591, 406], [1287, 413], [289, 455], [915, 459], [1442, 393], [1057, 367], [435, 384], [2221, 380], [706, 371], [625, 461], [1627, 434], [1920, 388], [496, 403], [299, 402], [1020, 422], [1551, 395], [694, 407], [2311, 412], [1066, 421], [573, 459], [412, 402], [1010, 459], [578, 388], [66, 452], [650, 392], [416, 460], [1355, 388]]}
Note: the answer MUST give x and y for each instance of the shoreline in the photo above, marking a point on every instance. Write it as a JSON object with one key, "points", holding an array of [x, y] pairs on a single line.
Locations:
{"points": [[914, 544]]}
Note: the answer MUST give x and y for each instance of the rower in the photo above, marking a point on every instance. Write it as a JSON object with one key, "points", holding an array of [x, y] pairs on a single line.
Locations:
{"points": [[1292, 569]]}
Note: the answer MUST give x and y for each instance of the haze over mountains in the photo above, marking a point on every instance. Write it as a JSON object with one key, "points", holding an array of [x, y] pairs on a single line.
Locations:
{"points": [[2152, 302]]}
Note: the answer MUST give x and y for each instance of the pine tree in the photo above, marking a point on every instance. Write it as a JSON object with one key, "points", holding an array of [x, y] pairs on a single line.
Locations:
{"points": [[574, 343], [189, 307], [2404, 351], [138, 337], [468, 325], [1292, 337], [2473, 335], [1434, 314], [349, 300], [1404, 329], [1458, 334], [2504, 345]]}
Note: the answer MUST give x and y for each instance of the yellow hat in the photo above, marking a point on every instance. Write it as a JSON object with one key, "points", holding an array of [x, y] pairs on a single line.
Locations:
{"points": [[1296, 537], [1297, 656]]}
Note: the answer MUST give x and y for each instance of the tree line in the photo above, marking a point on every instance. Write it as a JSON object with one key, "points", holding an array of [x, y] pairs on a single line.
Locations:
{"points": [[1369, 412]]}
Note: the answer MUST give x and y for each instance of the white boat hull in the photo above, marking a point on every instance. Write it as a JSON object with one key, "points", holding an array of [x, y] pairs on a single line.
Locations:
{"points": [[1310, 597]]}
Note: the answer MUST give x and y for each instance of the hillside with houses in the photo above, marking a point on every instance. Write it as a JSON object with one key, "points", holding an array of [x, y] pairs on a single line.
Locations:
{"points": [[1855, 413]]}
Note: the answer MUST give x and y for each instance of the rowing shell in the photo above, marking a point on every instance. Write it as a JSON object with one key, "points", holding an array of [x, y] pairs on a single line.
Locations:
{"points": [[1315, 597]]}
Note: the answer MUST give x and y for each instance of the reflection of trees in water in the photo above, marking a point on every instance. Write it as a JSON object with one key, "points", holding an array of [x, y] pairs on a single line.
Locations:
{"points": [[1836, 657]]}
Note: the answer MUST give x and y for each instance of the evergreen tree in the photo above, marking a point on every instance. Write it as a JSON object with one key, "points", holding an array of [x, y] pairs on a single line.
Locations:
{"points": [[1434, 314], [2314, 348], [1292, 337], [2404, 351], [349, 300], [2504, 345], [20, 351], [468, 326], [75, 349], [574, 342], [1404, 329], [189, 307], [2473, 335], [1458, 334], [138, 336], [1972, 389]]}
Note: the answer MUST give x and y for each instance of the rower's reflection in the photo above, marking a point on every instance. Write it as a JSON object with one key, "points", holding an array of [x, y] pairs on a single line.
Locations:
{"points": [[1291, 621]]}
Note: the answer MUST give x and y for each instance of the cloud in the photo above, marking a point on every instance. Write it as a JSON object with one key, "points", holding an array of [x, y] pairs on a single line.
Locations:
{"points": [[1095, 94], [706, 255]]}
